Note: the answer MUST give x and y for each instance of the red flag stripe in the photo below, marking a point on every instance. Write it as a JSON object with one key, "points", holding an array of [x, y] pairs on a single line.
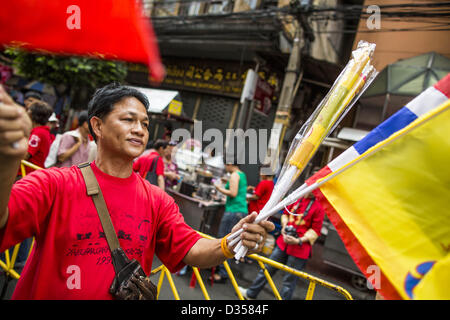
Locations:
{"points": [[443, 85]]}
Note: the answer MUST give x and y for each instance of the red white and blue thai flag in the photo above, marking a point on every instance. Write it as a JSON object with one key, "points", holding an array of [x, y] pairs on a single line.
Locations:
{"points": [[423, 103], [428, 100]]}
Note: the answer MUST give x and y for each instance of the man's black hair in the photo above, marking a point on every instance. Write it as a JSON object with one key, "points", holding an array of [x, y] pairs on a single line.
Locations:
{"points": [[82, 118], [160, 143], [103, 100], [40, 112]]}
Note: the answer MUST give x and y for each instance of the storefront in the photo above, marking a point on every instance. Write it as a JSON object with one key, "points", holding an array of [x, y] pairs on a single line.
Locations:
{"points": [[210, 92]]}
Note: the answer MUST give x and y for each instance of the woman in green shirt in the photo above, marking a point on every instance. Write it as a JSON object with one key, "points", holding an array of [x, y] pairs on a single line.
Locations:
{"points": [[235, 207]]}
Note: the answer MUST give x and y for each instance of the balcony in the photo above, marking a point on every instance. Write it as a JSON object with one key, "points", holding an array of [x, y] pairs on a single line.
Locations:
{"points": [[173, 8], [237, 30]]}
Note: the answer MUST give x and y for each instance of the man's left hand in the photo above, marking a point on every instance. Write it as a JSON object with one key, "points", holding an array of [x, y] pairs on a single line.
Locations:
{"points": [[255, 234]]}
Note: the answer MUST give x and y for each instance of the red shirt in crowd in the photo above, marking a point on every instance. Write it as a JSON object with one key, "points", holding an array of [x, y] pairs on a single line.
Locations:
{"points": [[71, 258], [313, 220], [263, 190], [143, 164], [38, 146]]}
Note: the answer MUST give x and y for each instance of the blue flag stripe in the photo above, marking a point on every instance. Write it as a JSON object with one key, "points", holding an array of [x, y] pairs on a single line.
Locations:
{"points": [[397, 121]]}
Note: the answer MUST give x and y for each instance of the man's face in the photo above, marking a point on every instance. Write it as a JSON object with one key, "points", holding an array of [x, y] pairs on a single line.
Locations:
{"points": [[168, 151], [161, 151], [124, 130], [54, 125]]}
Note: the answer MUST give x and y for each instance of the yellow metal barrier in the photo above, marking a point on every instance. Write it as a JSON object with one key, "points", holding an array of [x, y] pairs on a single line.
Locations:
{"points": [[28, 164], [313, 281]]}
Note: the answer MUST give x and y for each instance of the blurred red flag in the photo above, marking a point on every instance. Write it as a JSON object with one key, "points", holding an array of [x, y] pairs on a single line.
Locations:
{"points": [[109, 29]]}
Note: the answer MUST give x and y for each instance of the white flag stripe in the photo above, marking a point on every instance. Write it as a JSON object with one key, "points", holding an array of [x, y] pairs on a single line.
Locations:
{"points": [[426, 101], [344, 158]]}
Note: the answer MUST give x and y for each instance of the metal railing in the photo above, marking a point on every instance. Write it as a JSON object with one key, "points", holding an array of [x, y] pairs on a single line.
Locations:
{"points": [[8, 266], [313, 281]]}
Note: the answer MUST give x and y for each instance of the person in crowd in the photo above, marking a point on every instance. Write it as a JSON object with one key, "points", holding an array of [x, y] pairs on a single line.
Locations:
{"points": [[71, 259], [167, 135], [40, 137], [263, 190], [151, 165], [30, 97], [293, 246], [74, 145], [38, 147], [171, 175], [53, 124], [235, 206]]}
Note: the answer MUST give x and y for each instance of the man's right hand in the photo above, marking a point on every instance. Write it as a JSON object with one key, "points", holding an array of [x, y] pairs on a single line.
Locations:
{"points": [[15, 127]]}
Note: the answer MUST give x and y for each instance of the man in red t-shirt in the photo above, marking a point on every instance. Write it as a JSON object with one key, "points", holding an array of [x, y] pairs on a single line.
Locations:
{"points": [[150, 166], [263, 190], [40, 137], [71, 258]]}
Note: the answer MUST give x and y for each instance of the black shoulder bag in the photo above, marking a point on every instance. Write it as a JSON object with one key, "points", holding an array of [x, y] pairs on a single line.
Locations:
{"points": [[130, 281]]}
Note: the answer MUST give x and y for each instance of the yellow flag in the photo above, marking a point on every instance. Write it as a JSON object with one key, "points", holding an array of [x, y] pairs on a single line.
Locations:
{"points": [[394, 207]]}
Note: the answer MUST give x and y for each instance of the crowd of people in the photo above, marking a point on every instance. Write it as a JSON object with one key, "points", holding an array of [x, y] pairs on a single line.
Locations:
{"points": [[303, 219], [112, 135], [47, 146]]}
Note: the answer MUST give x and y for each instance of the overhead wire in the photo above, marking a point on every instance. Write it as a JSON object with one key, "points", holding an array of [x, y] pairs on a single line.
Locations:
{"points": [[433, 14]]}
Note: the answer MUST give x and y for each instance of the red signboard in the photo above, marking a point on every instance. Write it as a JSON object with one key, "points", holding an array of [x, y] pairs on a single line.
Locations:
{"points": [[263, 96]]}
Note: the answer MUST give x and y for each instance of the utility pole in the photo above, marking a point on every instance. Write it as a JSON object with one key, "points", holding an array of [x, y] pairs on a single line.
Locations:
{"points": [[291, 82], [242, 122], [246, 110]]}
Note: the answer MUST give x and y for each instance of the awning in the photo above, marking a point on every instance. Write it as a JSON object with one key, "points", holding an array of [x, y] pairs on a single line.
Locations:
{"points": [[351, 134], [344, 137], [159, 99]]}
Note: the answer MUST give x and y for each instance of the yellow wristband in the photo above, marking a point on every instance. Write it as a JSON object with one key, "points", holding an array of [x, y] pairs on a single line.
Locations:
{"points": [[225, 250]]}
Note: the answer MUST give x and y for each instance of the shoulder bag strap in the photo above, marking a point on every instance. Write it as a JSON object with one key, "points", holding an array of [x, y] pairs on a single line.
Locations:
{"points": [[153, 165], [94, 191]]}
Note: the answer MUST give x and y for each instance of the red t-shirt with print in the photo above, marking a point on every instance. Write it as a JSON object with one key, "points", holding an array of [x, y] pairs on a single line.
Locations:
{"points": [[71, 258]]}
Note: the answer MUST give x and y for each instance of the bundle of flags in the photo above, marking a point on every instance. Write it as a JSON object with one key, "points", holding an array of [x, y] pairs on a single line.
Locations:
{"points": [[391, 204], [107, 29]]}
